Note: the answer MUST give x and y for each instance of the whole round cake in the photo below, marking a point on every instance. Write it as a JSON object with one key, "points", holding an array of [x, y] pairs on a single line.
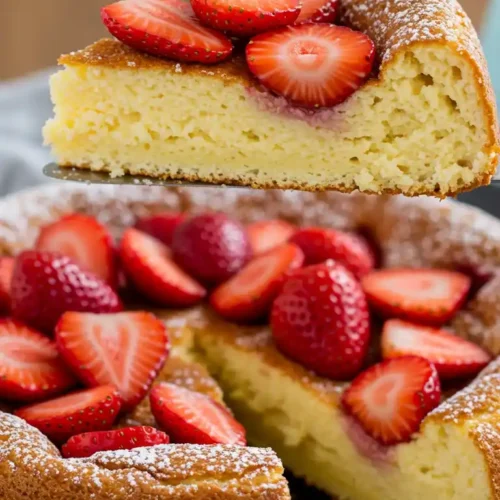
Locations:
{"points": [[354, 335]]}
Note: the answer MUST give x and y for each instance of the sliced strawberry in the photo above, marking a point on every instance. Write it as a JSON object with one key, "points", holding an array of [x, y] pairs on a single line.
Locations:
{"points": [[318, 11], [45, 285], [6, 271], [430, 296], [451, 355], [268, 234], [211, 247], [192, 417], [86, 241], [166, 28], [390, 399], [246, 17], [30, 366], [320, 319], [320, 244], [161, 226], [89, 410], [249, 295], [127, 438], [149, 265], [126, 350], [312, 65]]}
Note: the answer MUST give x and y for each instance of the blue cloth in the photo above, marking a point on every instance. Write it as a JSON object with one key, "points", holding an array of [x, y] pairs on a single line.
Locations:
{"points": [[491, 43]]}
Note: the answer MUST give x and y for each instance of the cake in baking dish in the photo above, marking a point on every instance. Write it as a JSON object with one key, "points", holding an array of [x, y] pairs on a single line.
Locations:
{"points": [[329, 388], [423, 121]]}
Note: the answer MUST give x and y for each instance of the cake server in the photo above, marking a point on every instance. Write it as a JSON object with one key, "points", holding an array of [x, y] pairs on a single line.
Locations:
{"points": [[89, 177]]}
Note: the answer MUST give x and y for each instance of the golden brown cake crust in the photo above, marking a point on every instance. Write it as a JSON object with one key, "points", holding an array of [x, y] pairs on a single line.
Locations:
{"points": [[410, 232]]}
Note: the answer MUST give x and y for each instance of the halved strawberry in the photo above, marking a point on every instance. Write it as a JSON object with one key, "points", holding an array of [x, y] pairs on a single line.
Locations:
{"points": [[318, 11], [430, 296], [6, 271], [161, 226], [312, 65], [127, 438], [268, 234], [249, 295], [86, 241], [166, 28], [246, 17], [451, 355], [192, 417], [148, 264], [47, 284], [391, 398], [350, 250], [126, 350], [89, 410], [30, 366]]}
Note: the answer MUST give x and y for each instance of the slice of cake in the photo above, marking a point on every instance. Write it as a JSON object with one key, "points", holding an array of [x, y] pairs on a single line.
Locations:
{"points": [[423, 122]]}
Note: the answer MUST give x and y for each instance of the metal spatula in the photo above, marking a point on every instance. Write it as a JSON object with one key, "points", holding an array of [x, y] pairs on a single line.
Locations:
{"points": [[88, 177]]}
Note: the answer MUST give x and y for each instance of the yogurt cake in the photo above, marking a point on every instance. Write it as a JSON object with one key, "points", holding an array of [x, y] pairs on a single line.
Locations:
{"points": [[402, 103], [318, 408]]}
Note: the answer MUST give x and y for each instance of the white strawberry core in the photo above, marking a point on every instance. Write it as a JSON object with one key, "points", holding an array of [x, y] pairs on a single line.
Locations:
{"points": [[423, 288], [381, 396]]}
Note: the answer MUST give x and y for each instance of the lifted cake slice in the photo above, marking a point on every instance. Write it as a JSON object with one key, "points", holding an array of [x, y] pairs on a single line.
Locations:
{"points": [[424, 123]]}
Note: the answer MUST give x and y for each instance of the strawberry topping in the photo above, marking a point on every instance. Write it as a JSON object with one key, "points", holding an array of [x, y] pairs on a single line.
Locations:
{"points": [[430, 296], [268, 234], [30, 366], [89, 410], [451, 355], [318, 11], [166, 28], [6, 271], [390, 399], [319, 245], [192, 417], [45, 285], [320, 319], [161, 226], [128, 438], [149, 265], [211, 247], [246, 17], [248, 295], [86, 241], [126, 350], [312, 65]]}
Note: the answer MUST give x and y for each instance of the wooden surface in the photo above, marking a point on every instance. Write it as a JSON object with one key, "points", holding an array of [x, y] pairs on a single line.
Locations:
{"points": [[33, 33]]}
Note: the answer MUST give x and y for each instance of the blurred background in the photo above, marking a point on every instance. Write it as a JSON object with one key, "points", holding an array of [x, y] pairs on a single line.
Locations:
{"points": [[33, 33]]}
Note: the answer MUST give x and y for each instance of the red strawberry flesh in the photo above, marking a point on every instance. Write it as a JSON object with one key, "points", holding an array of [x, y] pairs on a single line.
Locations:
{"points": [[246, 17], [30, 368], [212, 247], [86, 241], [451, 355], [149, 265], [192, 417], [126, 350], [161, 226], [89, 410], [390, 399], [350, 250], [248, 295], [430, 296], [318, 11], [46, 284], [320, 319], [165, 28], [269, 234], [6, 271], [127, 438], [312, 65]]}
